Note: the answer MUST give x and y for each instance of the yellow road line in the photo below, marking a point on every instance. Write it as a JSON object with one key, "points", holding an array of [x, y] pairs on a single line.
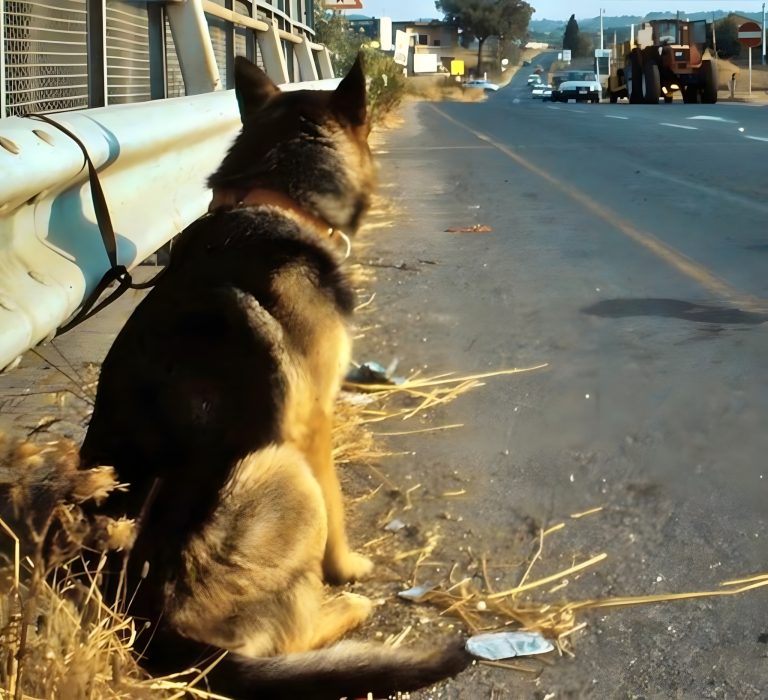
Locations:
{"points": [[673, 257]]}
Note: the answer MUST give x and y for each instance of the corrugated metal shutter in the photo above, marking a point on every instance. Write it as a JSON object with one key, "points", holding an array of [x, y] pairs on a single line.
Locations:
{"points": [[46, 55], [174, 82], [127, 52], [217, 28]]}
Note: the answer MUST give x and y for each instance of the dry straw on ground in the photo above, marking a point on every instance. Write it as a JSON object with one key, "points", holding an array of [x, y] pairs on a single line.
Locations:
{"points": [[536, 602], [59, 640]]}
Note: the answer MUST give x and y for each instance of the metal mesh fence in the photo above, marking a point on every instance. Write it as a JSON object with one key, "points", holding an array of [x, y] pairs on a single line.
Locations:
{"points": [[127, 51], [46, 55]]}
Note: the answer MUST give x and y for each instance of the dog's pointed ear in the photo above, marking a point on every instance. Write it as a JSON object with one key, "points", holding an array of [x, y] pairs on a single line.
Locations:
{"points": [[252, 87], [349, 100]]}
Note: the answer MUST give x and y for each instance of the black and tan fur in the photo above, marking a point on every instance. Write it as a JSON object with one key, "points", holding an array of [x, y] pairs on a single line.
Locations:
{"points": [[216, 404]]}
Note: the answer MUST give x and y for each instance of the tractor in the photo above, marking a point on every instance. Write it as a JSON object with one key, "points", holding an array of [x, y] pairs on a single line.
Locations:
{"points": [[667, 56]]}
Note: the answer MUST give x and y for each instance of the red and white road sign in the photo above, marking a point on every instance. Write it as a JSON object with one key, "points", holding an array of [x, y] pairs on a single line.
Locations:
{"points": [[343, 4], [750, 34]]}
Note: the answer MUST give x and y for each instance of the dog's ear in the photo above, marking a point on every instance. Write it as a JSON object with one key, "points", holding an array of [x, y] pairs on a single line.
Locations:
{"points": [[349, 99], [252, 87]]}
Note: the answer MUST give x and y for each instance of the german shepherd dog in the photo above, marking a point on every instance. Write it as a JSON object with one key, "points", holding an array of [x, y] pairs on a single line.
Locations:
{"points": [[215, 404]]}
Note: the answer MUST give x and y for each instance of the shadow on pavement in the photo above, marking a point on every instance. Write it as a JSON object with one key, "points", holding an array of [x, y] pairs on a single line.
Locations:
{"points": [[673, 308]]}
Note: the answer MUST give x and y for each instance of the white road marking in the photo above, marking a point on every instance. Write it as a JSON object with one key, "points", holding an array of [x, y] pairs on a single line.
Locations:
{"points": [[679, 126], [614, 116], [704, 117], [757, 138]]}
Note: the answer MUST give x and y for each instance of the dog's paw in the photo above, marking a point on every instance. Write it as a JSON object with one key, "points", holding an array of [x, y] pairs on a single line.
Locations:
{"points": [[351, 567], [359, 604]]}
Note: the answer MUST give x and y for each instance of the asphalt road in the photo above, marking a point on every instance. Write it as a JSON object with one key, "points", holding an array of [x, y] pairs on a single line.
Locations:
{"points": [[629, 252]]}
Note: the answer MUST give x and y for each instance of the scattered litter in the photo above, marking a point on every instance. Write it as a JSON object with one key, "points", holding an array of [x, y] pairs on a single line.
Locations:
{"points": [[416, 592], [475, 228], [585, 513], [504, 645], [394, 525], [453, 494], [374, 373]]}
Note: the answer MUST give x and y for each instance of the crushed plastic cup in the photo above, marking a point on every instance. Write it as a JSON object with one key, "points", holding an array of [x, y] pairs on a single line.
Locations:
{"points": [[494, 646]]}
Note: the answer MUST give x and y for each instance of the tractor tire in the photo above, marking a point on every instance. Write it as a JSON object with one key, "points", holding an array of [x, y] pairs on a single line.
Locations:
{"points": [[691, 94], [614, 97], [634, 73], [652, 83], [668, 99], [709, 91]]}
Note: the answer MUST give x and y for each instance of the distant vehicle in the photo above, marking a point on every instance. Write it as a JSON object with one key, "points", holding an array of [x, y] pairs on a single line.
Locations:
{"points": [[483, 84], [534, 79], [667, 56], [542, 91], [577, 85]]}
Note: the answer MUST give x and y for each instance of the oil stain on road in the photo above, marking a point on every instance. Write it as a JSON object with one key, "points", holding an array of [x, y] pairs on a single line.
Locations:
{"points": [[674, 308]]}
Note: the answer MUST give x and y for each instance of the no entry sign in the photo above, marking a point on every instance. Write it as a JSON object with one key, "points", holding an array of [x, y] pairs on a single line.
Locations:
{"points": [[750, 34]]}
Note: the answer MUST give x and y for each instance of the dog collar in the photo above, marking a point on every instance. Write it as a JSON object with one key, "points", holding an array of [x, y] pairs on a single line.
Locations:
{"points": [[227, 200]]}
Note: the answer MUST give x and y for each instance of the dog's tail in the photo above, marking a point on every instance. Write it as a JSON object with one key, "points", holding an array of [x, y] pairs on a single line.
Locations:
{"points": [[345, 670]]}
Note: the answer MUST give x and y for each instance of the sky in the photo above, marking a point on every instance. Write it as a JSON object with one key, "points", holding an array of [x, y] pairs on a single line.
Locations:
{"points": [[563, 9]]}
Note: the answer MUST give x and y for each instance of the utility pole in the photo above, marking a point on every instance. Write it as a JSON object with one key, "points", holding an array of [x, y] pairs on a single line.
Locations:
{"points": [[601, 26], [763, 44]]}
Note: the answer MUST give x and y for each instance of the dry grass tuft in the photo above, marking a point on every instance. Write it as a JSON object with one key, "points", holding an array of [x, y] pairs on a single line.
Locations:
{"points": [[58, 636]]}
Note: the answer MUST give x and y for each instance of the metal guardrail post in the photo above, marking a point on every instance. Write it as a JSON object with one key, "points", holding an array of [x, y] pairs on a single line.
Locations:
{"points": [[324, 62], [193, 47], [307, 69], [272, 54]]}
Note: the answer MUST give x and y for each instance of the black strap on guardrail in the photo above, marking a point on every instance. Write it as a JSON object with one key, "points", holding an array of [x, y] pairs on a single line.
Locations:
{"points": [[116, 273]]}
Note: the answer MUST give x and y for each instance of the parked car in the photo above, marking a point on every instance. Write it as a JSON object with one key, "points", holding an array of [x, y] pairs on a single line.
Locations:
{"points": [[483, 84], [578, 85], [542, 91]]}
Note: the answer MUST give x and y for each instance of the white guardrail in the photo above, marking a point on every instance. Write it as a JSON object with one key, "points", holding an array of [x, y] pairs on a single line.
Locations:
{"points": [[153, 159]]}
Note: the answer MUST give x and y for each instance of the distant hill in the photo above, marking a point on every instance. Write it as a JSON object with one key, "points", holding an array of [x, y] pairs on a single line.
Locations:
{"points": [[541, 28]]}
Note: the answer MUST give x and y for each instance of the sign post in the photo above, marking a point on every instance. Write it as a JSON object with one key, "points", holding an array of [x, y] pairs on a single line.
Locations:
{"points": [[750, 34], [602, 54]]}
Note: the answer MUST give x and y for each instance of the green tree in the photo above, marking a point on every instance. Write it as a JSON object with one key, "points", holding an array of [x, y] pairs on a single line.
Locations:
{"points": [[584, 46], [334, 31], [726, 34], [386, 84], [571, 36], [482, 19]]}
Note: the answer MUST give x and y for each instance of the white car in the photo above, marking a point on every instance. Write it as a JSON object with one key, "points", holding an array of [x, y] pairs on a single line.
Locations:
{"points": [[534, 79], [542, 91], [578, 85], [482, 84]]}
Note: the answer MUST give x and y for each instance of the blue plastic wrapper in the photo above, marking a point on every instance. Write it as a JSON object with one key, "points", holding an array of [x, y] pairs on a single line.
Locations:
{"points": [[373, 373], [416, 592], [504, 645]]}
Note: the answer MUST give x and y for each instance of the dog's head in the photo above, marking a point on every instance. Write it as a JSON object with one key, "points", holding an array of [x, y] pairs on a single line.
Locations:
{"points": [[310, 145]]}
